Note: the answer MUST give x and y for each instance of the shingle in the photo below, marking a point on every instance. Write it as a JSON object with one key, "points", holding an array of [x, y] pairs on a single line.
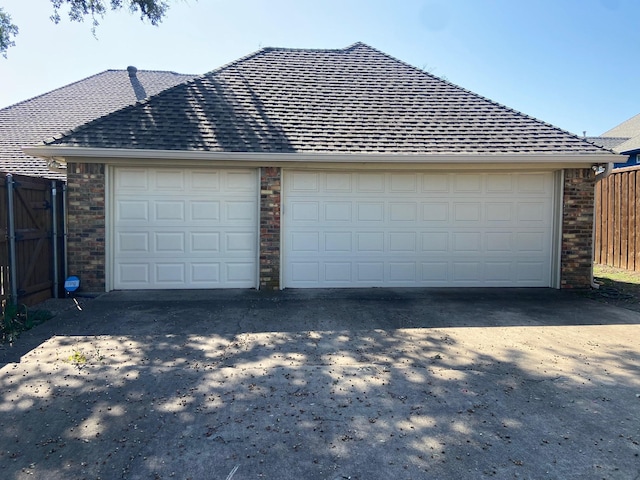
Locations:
{"points": [[352, 100], [34, 120], [610, 143]]}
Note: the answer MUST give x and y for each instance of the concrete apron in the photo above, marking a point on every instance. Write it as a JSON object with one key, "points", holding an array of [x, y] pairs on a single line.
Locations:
{"points": [[398, 384]]}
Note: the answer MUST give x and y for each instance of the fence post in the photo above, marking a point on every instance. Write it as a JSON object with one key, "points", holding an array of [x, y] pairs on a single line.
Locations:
{"points": [[13, 274], [54, 221], [65, 261]]}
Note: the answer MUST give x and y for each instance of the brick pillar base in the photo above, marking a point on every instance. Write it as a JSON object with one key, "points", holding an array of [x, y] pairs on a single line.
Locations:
{"points": [[270, 181], [577, 228], [86, 224]]}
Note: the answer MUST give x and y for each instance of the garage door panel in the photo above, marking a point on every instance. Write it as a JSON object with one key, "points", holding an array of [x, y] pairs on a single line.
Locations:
{"points": [[370, 211], [370, 183], [466, 213], [403, 183], [240, 181], [499, 212], [169, 273], [436, 183], [338, 212], [185, 228], [240, 273], [133, 273], [169, 210], [338, 242], [240, 211], [132, 211], [206, 211], [402, 272], [370, 273], [205, 242], [305, 182], [435, 242], [435, 273], [498, 272], [337, 273], [421, 229], [367, 242], [404, 242], [205, 181], [133, 242], [467, 183], [500, 184], [132, 179], [169, 181], [170, 242], [403, 212], [205, 273]]}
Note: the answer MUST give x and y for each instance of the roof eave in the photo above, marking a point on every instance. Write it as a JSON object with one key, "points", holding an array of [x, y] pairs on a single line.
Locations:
{"points": [[63, 154]]}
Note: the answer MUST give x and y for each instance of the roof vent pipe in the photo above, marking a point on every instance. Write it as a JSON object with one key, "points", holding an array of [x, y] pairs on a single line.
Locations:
{"points": [[132, 71]]}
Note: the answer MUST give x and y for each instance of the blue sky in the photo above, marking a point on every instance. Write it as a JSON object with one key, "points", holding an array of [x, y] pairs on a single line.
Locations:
{"points": [[571, 63]]}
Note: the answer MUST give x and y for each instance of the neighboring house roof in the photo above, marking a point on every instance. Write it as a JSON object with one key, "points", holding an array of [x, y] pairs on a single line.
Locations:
{"points": [[629, 128], [352, 100], [31, 121], [630, 146], [607, 142]]}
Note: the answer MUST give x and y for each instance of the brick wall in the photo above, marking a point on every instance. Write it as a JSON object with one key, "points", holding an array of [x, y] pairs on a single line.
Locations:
{"points": [[86, 224], [577, 228], [270, 181]]}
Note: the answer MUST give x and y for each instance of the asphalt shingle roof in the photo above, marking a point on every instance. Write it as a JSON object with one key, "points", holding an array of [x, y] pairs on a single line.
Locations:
{"points": [[34, 120], [628, 128], [610, 143], [352, 100]]}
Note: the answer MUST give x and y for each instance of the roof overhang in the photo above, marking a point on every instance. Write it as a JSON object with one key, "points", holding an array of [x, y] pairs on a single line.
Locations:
{"points": [[61, 155]]}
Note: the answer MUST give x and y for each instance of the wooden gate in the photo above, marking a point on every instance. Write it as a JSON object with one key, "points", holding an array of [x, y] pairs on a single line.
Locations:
{"points": [[35, 270]]}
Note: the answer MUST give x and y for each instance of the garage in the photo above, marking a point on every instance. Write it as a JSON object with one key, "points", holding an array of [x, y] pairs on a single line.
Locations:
{"points": [[381, 229], [184, 228]]}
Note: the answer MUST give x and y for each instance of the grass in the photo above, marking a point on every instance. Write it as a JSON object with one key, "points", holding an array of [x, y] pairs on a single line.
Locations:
{"points": [[618, 286]]}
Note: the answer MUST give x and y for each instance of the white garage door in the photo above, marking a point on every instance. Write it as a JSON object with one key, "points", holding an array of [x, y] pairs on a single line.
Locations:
{"points": [[365, 229], [184, 228]]}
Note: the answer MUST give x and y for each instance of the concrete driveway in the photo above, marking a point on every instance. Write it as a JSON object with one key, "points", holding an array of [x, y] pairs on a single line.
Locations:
{"points": [[330, 384]]}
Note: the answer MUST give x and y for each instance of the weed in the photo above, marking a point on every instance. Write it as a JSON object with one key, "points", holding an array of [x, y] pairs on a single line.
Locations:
{"points": [[13, 320], [77, 358]]}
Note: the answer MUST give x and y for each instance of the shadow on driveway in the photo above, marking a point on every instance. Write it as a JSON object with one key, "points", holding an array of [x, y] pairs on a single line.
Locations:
{"points": [[327, 384]]}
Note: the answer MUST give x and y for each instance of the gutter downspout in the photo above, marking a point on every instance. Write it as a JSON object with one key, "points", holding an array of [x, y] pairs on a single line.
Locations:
{"points": [[599, 176]]}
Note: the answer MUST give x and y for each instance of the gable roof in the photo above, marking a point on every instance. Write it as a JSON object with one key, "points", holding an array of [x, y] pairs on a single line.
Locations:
{"points": [[628, 128], [629, 133], [356, 100], [31, 121], [610, 143]]}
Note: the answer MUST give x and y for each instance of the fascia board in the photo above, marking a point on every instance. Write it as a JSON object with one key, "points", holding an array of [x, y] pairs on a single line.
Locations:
{"points": [[108, 155]]}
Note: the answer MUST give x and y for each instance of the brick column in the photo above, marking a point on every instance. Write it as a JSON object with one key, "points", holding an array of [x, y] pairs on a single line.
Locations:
{"points": [[86, 224], [577, 228], [270, 181]]}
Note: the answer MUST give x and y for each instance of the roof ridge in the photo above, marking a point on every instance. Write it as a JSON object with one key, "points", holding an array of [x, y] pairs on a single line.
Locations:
{"points": [[280, 49]]}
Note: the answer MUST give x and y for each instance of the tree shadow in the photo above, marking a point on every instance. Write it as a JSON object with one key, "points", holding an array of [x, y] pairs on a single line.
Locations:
{"points": [[308, 385]]}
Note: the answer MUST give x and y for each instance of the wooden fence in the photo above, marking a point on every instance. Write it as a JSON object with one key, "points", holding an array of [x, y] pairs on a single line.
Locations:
{"points": [[35, 271], [617, 216]]}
